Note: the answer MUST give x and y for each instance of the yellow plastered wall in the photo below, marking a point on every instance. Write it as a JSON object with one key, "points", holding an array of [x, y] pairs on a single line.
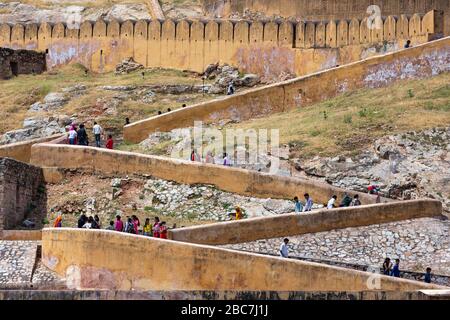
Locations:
{"points": [[113, 54], [154, 44], [31, 36], [403, 27], [342, 33], [5, 35], [226, 35], [310, 35], [211, 42], [182, 45], [376, 34], [102, 51], [354, 32], [140, 42], [364, 31], [241, 34], [286, 34], [44, 36], [85, 44], [17, 36], [197, 47], [168, 44], [256, 33], [390, 33], [300, 30], [331, 34], [415, 26], [126, 40], [320, 39], [271, 34]]}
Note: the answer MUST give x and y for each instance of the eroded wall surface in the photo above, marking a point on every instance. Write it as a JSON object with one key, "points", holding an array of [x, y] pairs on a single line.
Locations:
{"points": [[22, 192], [295, 224], [159, 264], [419, 62], [266, 48]]}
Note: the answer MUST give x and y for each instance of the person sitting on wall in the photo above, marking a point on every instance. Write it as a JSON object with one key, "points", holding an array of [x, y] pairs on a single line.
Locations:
{"points": [[111, 226], [238, 213]]}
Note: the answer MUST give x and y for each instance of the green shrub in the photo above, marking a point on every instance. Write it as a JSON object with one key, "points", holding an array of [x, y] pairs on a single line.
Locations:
{"points": [[347, 118]]}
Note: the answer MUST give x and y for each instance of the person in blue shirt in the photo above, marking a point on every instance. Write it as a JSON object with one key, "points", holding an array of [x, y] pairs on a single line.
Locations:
{"points": [[396, 269], [298, 205], [428, 275]]}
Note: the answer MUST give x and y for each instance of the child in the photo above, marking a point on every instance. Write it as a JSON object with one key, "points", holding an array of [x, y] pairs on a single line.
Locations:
{"points": [[163, 230], [109, 142], [111, 226], [147, 228]]}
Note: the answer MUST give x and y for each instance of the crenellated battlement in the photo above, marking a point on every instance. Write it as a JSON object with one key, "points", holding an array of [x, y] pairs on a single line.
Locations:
{"points": [[186, 44]]}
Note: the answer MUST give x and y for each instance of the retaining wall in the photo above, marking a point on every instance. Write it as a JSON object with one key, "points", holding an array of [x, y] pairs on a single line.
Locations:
{"points": [[21, 151], [295, 224], [121, 261], [415, 63], [245, 182]]}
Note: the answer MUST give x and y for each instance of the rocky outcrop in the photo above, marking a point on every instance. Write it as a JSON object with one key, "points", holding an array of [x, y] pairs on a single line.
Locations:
{"points": [[37, 127], [404, 166], [127, 66], [226, 75], [72, 15]]}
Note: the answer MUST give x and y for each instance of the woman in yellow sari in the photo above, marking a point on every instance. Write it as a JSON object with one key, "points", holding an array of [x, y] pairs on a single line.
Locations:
{"points": [[238, 213]]}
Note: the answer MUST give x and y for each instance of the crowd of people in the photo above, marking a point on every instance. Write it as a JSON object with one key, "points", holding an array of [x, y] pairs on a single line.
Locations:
{"points": [[79, 136], [157, 229]]}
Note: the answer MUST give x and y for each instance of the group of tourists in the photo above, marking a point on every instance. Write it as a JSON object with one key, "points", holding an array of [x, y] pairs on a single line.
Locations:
{"points": [[346, 201], [79, 136], [195, 156], [157, 229]]}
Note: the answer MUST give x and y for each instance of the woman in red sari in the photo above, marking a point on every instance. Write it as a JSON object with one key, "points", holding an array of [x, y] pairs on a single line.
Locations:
{"points": [[156, 228], [163, 230]]}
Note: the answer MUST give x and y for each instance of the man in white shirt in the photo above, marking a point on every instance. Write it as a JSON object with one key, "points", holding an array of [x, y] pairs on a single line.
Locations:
{"points": [[308, 203], [331, 202], [284, 249], [97, 130]]}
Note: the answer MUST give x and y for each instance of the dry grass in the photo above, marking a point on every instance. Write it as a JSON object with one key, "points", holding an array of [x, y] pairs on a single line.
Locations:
{"points": [[354, 120], [17, 94]]}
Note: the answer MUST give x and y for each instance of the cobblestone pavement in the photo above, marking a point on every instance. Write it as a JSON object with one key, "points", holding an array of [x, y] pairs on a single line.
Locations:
{"points": [[17, 260], [417, 243]]}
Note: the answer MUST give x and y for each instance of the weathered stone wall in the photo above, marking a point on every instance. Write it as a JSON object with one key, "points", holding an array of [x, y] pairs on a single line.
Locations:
{"points": [[183, 266], [415, 63], [315, 221], [22, 192], [15, 62], [324, 9], [245, 182], [266, 48], [27, 294]]}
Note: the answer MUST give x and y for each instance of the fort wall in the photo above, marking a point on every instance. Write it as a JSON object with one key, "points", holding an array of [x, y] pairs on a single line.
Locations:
{"points": [[182, 266], [419, 62], [266, 48], [324, 9], [295, 224], [245, 182], [21, 151]]}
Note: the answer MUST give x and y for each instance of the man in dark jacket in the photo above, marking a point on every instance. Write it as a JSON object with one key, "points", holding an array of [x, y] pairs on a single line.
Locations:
{"points": [[82, 136]]}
